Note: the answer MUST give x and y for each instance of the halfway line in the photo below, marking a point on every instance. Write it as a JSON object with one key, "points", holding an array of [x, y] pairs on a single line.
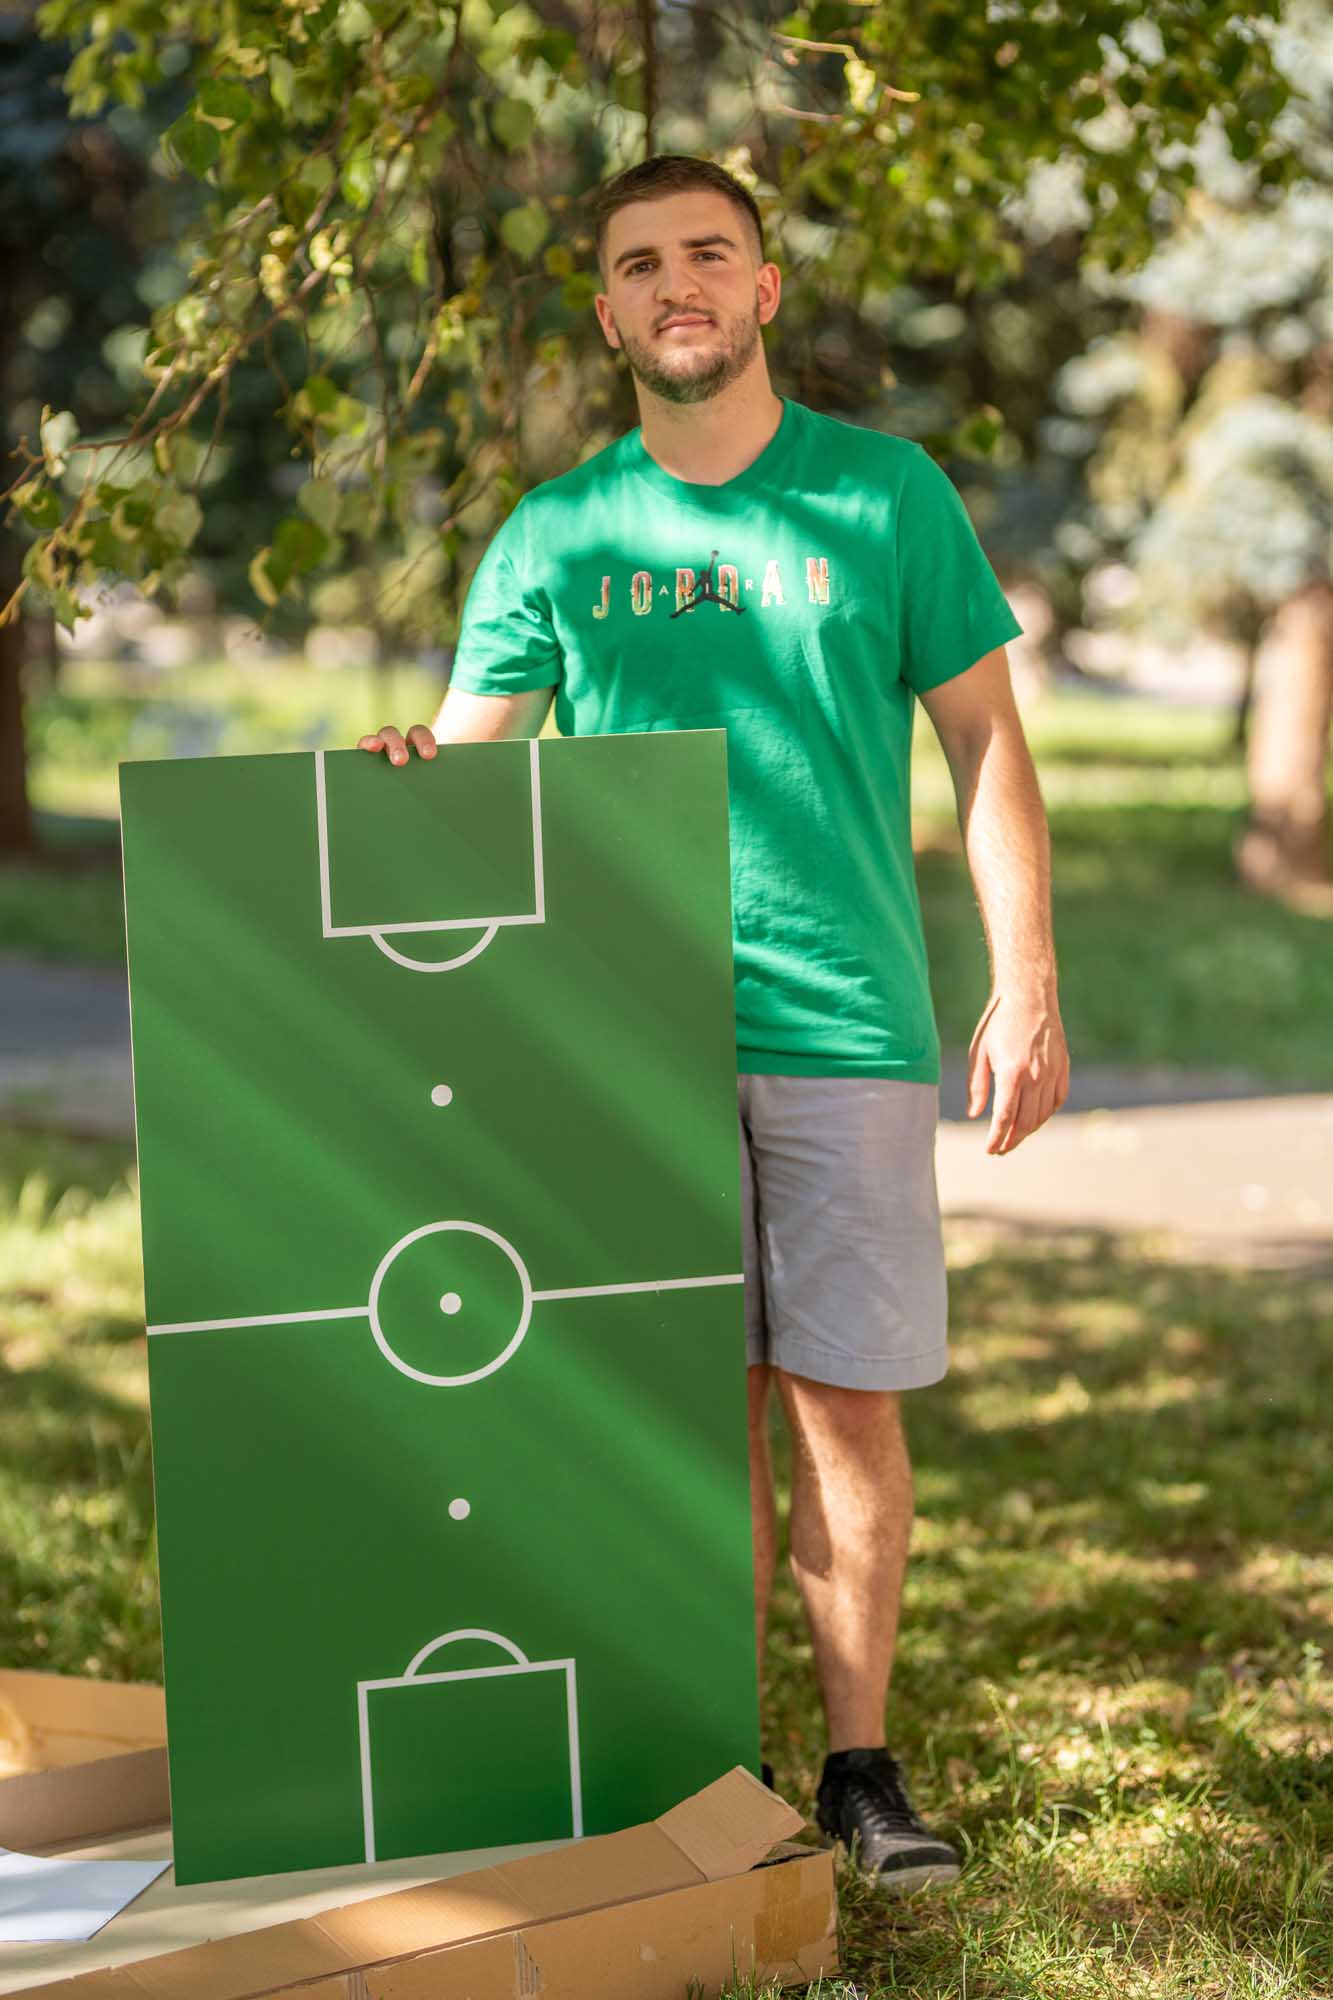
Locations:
{"points": [[654, 1285], [261, 1319]]}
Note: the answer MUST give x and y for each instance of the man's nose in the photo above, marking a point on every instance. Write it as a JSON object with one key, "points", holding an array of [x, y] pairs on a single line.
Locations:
{"points": [[676, 283]]}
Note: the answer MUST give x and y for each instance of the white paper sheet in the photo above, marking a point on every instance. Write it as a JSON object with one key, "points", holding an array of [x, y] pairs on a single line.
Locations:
{"points": [[48, 1900]]}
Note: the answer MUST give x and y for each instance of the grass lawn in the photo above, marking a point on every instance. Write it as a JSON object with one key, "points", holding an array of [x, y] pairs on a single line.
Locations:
{"points": [[1113, 1682], [1164, 959]]}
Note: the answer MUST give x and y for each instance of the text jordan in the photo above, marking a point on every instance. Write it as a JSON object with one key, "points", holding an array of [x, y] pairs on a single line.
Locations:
{"points": [[731, 589]]}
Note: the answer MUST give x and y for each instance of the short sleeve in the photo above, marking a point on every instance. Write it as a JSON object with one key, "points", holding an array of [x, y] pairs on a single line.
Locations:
{"points": [[951, 607], [506, 639]]}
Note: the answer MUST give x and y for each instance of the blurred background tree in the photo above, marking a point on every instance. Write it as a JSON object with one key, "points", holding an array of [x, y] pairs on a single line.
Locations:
{"points": [[1208, 455], [379, 330], [78, 212]]}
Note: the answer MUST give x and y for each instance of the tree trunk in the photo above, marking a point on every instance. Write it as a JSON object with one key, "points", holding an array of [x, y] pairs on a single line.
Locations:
{"points": [[651, 79], [17, 833], [1240, 729], [1284, 848]]}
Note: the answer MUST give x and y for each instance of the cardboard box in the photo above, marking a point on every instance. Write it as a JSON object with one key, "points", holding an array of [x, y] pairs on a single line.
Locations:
{"points": [[708, 1892], [79, 1758]]}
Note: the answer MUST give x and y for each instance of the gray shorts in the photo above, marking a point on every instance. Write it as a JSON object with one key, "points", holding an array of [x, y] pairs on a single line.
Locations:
{"points": [[843, 1255]]}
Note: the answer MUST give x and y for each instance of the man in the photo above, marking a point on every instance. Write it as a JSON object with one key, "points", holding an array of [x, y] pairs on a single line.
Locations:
{"points": [[741, 561]]}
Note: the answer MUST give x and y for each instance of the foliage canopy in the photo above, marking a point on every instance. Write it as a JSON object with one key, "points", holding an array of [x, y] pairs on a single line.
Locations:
{"points": [[394, 220]]}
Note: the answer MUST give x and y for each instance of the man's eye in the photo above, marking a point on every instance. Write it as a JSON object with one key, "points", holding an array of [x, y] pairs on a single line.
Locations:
{"points": [[648, 260]]}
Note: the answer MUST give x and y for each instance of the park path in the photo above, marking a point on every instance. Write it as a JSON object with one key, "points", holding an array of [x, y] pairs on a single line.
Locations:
{"points": [[1218, 1165]]}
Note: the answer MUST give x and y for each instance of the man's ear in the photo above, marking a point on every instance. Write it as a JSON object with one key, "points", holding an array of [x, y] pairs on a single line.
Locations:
{"points": [[770, 289], [602, 305]]}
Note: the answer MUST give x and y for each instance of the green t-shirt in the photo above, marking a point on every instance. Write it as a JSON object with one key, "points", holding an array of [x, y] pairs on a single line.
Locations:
{"points": [[798, 606]]}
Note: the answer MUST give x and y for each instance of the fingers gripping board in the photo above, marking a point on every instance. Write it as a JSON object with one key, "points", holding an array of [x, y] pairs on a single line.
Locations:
{"points": [[434, 1080]]}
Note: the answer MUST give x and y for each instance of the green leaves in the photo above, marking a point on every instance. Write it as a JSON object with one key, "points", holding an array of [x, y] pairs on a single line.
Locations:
{"points": [[579, 290], [38, 504], [281, 79], [58, 432], [321, 499], [320, 401], [317, 396], [262, 584], [66, 607], [556, 47], [180, 519], [142, 530], [359, 179], [525, 228], [981, 433], [328, 131], [194, 144], [512, 122], [354, 22], [300, 542], [224, 101], [297, 546]]}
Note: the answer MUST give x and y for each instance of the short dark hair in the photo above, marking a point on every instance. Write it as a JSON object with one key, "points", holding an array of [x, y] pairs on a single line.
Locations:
{"points": [[670, 173]]}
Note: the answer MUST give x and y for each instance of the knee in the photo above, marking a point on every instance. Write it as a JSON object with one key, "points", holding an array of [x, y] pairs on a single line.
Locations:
{"points": [[828, 1406]]}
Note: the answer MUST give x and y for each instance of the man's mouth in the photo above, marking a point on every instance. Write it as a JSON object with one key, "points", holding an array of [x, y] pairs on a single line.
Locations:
{"points": [[691, 319]]}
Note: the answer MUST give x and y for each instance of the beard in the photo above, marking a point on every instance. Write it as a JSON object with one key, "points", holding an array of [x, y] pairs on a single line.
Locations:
{"points": [[694, 375]]}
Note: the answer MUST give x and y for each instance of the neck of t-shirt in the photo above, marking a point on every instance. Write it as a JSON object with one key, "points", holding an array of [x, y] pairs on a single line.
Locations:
{"points": [[720, 496]]}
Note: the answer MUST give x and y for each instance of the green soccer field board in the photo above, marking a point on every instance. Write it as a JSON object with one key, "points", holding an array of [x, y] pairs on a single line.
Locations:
{"points": [[435, 1097]]}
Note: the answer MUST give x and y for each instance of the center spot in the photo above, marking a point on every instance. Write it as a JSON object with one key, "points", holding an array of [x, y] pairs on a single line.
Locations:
{"points": [[450, 1302]]}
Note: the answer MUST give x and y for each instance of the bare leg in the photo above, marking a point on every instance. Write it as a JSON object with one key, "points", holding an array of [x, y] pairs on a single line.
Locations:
{"points": [[763, 1506], [851, 1521]]}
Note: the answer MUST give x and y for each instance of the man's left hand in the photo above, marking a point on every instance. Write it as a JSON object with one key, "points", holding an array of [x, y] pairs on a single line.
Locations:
{"points": [[1019, 1044]]}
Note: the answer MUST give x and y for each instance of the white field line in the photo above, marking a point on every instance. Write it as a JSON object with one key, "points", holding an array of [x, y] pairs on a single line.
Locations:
{"points": [[332, 930], [362, 1312], [651, 1285]]}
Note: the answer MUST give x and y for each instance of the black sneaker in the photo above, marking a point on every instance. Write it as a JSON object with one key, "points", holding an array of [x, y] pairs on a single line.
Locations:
{"points": [[861, 1800]]}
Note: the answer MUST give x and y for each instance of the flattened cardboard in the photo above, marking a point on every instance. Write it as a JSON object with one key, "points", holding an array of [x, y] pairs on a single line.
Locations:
{"points": [[778, 1921], [78, 1758], [622, 1916], [66, 1719]]}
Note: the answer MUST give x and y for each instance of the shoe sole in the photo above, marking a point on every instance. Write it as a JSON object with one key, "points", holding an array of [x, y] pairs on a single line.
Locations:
{"points": [[900, 1881]]}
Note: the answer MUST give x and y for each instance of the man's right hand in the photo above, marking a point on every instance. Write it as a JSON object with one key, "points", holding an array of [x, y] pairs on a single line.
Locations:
{"points": [[392, 741]]}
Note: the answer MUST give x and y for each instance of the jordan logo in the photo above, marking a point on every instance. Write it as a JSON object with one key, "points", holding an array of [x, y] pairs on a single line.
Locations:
{"points": [[705, 593]]}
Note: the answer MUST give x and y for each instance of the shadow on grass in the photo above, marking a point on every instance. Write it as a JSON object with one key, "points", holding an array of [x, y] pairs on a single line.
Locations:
{"points": [[66, 902], [62, 1432], [1111, 1686], [96, 1166], [1125, 1461], [78, 1585], [78, 839]]}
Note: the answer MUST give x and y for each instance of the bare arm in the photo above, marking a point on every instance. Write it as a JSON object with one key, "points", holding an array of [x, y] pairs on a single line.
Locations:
{"points": [[466, 718], [1020, 1040]]}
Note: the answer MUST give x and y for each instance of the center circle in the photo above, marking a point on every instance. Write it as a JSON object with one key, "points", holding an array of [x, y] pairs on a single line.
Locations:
{"points": [[450, 1302]]}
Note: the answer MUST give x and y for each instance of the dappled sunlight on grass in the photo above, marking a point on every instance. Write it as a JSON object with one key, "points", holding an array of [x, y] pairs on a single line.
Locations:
{"points": [[1112, 1686], [995, 1410], [78, 1581], [70, 1269]]}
